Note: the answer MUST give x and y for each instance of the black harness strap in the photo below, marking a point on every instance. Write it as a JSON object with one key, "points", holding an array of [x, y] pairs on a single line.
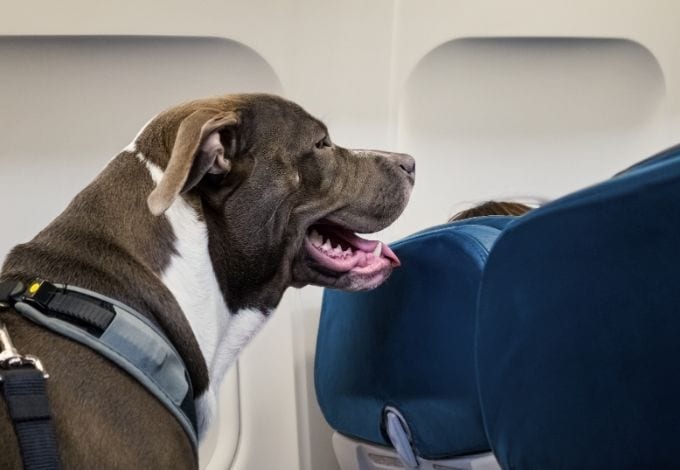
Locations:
{"points": [[26, 397], [23, 387], [93, 315]]}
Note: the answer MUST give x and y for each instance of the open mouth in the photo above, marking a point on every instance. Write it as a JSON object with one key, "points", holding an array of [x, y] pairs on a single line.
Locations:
{"points": [[338, 250]]}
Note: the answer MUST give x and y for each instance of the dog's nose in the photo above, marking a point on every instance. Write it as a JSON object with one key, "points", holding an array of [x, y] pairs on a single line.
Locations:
{"points": [[405, 162]]}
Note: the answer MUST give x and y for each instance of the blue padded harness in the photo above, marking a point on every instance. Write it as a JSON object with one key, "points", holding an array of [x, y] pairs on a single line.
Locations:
{"points": [[118, 333]]}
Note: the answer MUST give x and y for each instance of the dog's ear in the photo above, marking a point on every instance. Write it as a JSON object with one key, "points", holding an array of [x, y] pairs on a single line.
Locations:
{"points": [[198, 150]]}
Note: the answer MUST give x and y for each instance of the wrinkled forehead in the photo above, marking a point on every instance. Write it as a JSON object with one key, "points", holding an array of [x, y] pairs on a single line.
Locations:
{"points": [[274, 117]]}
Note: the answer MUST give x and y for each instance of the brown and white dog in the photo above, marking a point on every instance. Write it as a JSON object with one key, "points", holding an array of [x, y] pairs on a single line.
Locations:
{"points": [[201, 224]]}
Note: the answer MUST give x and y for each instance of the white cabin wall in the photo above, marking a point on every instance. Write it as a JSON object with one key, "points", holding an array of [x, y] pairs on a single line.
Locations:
{"points": [[376, 72]]}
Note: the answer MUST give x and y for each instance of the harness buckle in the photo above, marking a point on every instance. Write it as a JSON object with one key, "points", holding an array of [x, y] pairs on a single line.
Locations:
{"points": [[9, 291], [10, 357]]}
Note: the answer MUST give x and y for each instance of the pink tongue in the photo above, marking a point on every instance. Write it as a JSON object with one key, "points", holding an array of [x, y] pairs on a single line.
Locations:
{"points": [[366, 246]]}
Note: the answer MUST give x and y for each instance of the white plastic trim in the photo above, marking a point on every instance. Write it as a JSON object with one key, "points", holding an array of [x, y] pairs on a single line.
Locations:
{"points": [[358, 455]]}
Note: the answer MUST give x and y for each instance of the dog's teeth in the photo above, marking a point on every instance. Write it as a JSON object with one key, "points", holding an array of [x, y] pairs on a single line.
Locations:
{"points": [[347, 252], [327, 245], [315, 238], [337, 250], [378, 250]]}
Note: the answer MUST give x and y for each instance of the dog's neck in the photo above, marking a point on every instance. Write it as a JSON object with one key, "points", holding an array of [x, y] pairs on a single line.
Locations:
{"points": [[106, 241], [190, 276]]}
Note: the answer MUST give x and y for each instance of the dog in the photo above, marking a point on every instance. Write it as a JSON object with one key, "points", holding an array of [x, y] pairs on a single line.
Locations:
{"points": [[201, 223]]}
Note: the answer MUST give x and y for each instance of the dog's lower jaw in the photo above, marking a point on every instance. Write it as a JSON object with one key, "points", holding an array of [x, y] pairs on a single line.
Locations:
{"points": [[190, 277]]}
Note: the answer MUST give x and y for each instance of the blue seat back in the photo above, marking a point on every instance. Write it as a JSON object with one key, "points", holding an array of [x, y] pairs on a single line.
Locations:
{"points": [[578, 338], [409, 344]]}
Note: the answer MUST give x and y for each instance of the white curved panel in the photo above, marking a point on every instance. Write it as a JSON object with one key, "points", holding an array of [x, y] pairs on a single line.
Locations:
{"points": [[219, 447], [499, 117], [69, 104], [534, 85]]}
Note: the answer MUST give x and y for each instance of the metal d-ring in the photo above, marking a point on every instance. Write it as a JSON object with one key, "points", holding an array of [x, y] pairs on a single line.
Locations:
{"points": [[10, 357]]}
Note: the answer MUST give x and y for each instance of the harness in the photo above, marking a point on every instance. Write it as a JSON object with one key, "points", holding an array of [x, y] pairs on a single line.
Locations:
{"points": [[107, 326]]}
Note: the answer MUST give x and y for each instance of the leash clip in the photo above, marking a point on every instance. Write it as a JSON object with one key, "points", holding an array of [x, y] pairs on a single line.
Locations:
{"points": [[10, 357]]}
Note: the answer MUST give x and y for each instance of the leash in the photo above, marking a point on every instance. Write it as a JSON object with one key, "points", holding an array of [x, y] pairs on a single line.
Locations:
{"points": [[112, 329], [23, 381]]}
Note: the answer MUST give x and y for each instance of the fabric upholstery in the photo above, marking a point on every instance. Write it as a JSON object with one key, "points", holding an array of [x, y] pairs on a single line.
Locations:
{"points": [[578, 338], [409, 344]]}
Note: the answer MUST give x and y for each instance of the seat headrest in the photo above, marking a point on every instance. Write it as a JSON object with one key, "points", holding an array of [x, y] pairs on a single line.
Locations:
{"points": [[660, 158], [578, 327], [409, 344]]}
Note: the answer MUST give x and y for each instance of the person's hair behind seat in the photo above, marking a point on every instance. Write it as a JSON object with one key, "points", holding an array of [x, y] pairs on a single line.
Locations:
{"points": [[492, 208]]}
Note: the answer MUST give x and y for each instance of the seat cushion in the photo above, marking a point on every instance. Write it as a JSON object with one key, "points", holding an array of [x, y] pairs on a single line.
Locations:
{"points": [[409, 344], [578, 349]]}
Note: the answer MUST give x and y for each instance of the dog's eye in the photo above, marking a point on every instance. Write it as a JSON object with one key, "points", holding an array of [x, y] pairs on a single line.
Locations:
{"points": [[325, 142]]}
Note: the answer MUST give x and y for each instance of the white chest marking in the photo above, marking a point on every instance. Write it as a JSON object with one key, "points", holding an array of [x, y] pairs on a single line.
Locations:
{"points": [[190, 277]]}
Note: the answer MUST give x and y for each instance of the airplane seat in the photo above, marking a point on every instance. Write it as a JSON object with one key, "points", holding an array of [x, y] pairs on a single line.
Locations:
{"points": [[394, 368], [578, 330]]}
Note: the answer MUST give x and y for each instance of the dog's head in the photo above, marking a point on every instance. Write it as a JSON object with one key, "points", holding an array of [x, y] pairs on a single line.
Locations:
{"points": [[281, 201]]}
